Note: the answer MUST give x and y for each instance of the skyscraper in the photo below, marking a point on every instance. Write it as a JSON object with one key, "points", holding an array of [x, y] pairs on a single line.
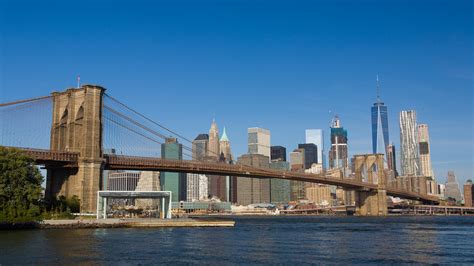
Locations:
{"points": [[316, 136], [213, 148], [297, 163], [220, 185], [278, 153], [224, 146], [197, 184], [338, 155], [409, 160], [197, 187], [310, 154], [200, 146], [424, 147], [279, 188], [253, 190], [391, 159], [452, 188], [259, 141], [380, 139], [170, 181], [217, 184]]}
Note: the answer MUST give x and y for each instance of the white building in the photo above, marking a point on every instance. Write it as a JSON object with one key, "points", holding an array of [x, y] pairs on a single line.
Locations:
{"points": [[316, 168], [197, 187], [122, 180]]}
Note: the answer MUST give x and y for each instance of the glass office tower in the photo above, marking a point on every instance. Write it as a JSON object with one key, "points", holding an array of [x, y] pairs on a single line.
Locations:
{"points": [[316, 136], [380, 139]]}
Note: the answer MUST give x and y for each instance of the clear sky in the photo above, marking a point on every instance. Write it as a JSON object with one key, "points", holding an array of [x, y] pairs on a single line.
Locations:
{"points": [[284, 66]]}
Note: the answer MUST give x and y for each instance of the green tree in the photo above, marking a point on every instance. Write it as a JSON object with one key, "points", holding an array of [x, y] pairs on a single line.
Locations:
{"points": [[20, 187]]}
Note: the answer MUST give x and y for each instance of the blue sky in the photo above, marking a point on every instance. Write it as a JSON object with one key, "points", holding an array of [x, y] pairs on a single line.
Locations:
{"points": [[284, 66]]}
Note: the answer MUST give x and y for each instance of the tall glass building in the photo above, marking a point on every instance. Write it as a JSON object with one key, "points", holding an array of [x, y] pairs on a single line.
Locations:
{"points": [[310, 154], [380, 139], [316, 136], [171, 181], [280, 188]]}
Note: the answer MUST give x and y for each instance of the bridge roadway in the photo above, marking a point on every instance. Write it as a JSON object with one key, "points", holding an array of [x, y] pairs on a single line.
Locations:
{"points": [[120, 162]]}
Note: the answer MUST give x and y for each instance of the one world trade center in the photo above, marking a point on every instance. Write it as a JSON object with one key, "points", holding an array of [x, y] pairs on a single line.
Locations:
{"points": [[380, 140]]}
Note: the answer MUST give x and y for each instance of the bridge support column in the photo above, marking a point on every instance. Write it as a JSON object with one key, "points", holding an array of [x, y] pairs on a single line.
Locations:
{"points": [[369, 168], [77, 127], [371, 203]]}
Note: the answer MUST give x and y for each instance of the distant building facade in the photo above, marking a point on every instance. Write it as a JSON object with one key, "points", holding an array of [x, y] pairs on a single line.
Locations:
{"points": [[297, 164], [197, 184], [310, 154], [409, 159], [222, 185], [319, 194], [392, 159], [170, 181], [224, 146], [279, 188], [253, 190], [278, 153], [213, 148], [452, 188], [122, 180], [424, 149], [259, 141], [197, 187], [316, 136], [200, 147], [218, 151]]}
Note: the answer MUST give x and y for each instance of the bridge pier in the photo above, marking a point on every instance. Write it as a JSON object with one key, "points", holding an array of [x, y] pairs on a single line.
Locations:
{"points": [[371, 203], [77, 127], [369, 168]]}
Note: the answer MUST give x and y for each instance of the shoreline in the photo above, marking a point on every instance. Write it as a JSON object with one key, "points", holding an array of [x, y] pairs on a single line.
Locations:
{"points": [[121, 223], [213, 220]]}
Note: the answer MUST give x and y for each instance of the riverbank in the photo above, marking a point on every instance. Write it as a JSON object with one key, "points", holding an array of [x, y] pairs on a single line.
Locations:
{"points": [[122, 223]]}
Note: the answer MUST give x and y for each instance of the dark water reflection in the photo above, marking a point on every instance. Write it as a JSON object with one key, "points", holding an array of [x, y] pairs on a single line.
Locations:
{"points": [[259, 240]]}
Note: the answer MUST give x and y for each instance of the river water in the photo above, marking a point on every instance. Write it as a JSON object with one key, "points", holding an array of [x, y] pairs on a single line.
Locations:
{"points": [[254, 240]]}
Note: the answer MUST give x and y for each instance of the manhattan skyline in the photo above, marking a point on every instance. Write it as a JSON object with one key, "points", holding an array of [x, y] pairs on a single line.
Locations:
{"points": [[282, 67]]}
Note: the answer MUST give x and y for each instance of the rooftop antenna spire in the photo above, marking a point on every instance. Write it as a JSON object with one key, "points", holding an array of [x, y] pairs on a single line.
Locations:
{"points": [[378, 90]]}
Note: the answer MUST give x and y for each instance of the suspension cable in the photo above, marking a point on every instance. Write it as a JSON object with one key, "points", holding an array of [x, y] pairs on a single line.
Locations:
{"points": [[25, 101]]}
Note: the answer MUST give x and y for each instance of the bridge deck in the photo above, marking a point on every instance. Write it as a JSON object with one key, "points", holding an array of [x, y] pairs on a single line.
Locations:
{"points": [[118, 162], [51, 158], [115, 162]]}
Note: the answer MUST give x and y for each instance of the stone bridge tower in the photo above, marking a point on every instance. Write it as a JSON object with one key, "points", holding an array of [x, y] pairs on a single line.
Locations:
{"points": [[369, 169], [77, 127]]}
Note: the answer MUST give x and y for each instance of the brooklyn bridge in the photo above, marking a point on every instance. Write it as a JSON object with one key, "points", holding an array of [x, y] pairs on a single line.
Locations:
{"points": [[78, 133]]}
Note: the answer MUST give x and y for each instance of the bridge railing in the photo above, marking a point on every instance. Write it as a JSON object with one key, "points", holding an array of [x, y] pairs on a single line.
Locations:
{"points": [[50, 155]]}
